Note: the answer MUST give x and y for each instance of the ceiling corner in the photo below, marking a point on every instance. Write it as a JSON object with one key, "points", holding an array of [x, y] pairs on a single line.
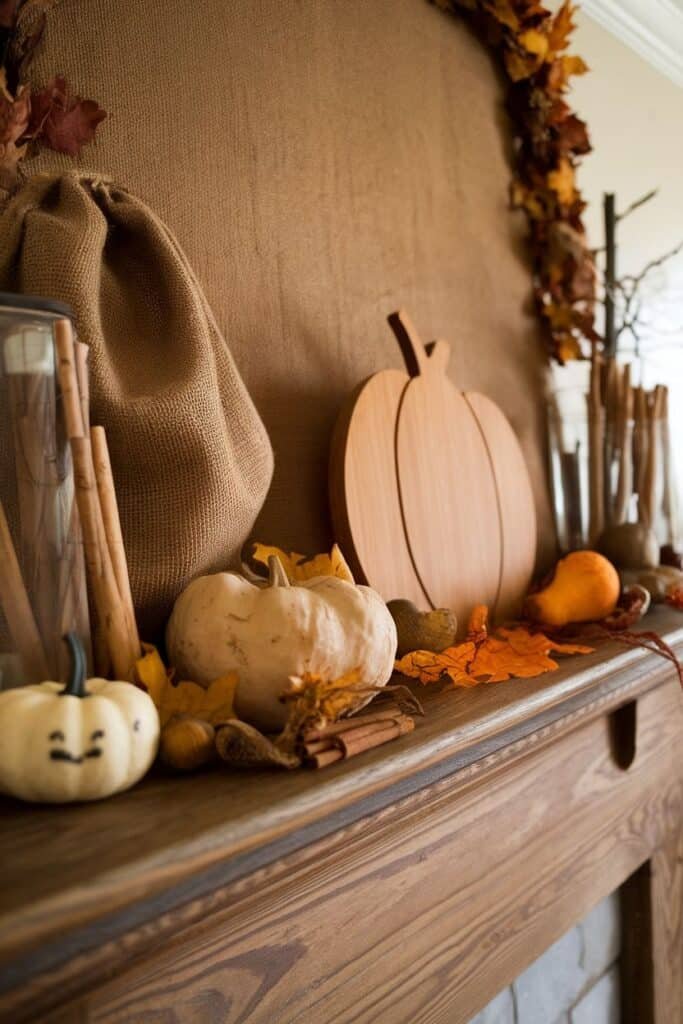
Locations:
{"points": [[653, 28]]}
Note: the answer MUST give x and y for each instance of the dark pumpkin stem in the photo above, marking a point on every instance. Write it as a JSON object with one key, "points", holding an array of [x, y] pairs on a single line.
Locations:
{"points": [[75, 687]]}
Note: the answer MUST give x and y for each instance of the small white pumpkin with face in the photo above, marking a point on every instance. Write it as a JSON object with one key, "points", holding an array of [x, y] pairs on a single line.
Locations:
{"points": [[83, 741], [326, 626]]}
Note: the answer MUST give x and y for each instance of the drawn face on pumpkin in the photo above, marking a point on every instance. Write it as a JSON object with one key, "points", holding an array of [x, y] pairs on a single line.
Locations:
{"points": [[82, 741]]}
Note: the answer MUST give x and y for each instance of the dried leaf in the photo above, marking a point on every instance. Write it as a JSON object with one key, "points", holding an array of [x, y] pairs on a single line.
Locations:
{"points": [[674, 596], [561, 182], [61, 120], [561, 28], [213, 703], [14, 119], [300, 567], [488, 657], [534, 42]]}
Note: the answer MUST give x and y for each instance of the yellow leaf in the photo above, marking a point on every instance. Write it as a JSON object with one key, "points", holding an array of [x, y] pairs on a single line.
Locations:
{"points": [[212, 704], [574, 66], [299, 567], [534, 42], [561, 182]]}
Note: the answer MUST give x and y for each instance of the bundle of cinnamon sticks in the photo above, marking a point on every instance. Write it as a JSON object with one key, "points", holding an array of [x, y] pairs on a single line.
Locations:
{"points": [[348, 737], [105, 557], [629, 449]]}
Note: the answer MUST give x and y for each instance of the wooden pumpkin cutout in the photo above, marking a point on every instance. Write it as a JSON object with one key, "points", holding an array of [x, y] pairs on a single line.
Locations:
{"points": [[431, 498]]}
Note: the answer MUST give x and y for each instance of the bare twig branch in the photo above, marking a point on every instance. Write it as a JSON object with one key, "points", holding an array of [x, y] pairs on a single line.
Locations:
{"points": [[637, 204]]}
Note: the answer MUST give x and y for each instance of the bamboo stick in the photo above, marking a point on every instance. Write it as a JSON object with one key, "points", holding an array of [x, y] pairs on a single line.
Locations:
{"points": [[625, 447], [17, 609], [596, 454], [112, 528], [640, 443], [110, 609], [653, 465]]}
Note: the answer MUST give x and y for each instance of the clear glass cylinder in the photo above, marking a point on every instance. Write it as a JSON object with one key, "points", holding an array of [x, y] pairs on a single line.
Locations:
{"points": [[42, 573]]}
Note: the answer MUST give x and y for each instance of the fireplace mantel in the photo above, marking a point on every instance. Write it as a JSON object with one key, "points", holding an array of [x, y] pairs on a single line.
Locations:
{"points": [[410, 884]]}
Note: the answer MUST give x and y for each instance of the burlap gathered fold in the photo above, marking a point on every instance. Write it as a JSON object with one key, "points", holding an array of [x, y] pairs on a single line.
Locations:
{"points": [[191, 458]]}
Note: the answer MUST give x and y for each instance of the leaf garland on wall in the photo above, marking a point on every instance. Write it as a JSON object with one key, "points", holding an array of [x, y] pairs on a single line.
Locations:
{"points": [[550, 139], [54, 117]]}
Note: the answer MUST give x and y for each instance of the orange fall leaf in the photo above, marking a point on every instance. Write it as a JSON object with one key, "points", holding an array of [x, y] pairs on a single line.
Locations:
{"points": [[488, 657]]}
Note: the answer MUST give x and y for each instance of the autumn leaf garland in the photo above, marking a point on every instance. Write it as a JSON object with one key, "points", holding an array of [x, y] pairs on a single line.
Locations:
{"points": [[56, 116], [550, 140]]}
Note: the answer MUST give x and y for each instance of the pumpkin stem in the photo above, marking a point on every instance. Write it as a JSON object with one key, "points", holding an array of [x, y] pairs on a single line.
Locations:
{"points": [[419, 359], [75, 687], [277, 576]]}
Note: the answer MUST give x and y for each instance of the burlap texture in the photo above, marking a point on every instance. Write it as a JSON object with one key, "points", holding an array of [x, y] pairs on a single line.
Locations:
{"points": [[191, 459], [321, 164]]}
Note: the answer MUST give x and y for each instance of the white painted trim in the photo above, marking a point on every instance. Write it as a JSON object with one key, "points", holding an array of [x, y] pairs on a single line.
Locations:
{"points": [[653, 28]]}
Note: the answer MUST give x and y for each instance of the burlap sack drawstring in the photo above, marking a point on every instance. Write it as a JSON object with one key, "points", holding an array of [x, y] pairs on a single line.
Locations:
{"points": [[191, 458]]}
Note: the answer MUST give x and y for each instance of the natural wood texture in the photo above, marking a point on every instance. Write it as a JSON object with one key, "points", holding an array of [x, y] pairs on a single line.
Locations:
{"points": [[364, 498], [515, 501], [429, 489], [131, 874], [425, 911], [448, 494], [652, 954]]}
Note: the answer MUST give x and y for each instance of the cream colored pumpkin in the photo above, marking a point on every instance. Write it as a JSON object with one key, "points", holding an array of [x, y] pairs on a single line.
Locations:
{"points": [[327, 626], [86, 740]]}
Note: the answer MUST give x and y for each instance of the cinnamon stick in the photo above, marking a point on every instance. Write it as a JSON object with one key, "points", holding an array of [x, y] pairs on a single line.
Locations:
{"points": [[334, 728], [17, 608], [110, 609], [358, 740]]}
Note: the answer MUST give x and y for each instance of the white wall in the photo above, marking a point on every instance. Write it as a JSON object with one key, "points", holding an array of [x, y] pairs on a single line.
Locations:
{"points": [[635, 116]]}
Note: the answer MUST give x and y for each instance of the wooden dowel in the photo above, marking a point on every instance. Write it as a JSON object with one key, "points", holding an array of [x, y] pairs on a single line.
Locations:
{"points": [[81, 353], [112, 528], [17, 609], [625, 444], [112, 619], [596, 454]]}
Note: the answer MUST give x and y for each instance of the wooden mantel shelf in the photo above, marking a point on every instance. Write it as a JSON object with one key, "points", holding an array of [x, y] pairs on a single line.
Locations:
{"points": [[515, 790]]}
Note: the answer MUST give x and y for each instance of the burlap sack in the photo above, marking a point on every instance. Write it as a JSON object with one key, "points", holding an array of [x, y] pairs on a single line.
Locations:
{"points": [[191, 459]]}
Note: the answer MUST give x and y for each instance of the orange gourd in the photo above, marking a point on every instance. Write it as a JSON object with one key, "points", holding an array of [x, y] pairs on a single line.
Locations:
{"points": [[585, 588]]}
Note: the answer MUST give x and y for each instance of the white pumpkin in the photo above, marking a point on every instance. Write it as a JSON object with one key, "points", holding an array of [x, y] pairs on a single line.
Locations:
{"points": [[82, 741], [223, 623]]}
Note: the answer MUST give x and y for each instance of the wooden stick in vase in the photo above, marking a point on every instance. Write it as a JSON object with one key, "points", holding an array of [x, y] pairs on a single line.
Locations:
{"points": [[17, 609], [110, 609], [640, 444], [112, 528], [669, 504], [625, 445], [596, 454], [653, 465]]}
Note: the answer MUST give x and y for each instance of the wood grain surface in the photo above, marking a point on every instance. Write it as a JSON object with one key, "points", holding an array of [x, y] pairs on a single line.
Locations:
{"points": [[364, 497], [515, 503], [142, 866], [448, 495], [424, 912], [430, 495]]}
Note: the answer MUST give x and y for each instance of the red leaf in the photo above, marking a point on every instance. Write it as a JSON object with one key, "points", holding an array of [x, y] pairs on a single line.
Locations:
{"points": [[62, 121]]}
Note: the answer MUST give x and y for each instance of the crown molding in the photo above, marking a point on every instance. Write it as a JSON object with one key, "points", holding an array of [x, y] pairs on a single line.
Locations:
{"points": [[653, 28]]}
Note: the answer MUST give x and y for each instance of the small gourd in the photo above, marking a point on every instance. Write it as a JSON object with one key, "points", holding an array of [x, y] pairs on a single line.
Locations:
{"points": [[585, 588], [324, 626], [422, 631], [80, 741]]}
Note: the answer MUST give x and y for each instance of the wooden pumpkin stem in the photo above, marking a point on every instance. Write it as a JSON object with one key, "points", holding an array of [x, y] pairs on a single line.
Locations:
{"points": [[75, 687], [419, 359], [277, 575]]}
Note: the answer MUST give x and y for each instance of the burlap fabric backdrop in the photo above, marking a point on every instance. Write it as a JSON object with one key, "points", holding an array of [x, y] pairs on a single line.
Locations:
{"points": [[321, 164], [191, 459]]}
